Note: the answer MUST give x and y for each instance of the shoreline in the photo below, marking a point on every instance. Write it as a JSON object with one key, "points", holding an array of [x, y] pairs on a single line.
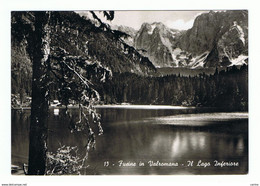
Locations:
{"points": [[129, 106]]}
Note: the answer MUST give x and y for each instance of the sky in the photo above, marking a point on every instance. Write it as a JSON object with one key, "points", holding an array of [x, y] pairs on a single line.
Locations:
{"points": [[181, 20]]}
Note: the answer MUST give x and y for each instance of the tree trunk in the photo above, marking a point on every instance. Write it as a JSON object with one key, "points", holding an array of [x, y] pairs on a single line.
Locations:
{"points": [[39, 49]]}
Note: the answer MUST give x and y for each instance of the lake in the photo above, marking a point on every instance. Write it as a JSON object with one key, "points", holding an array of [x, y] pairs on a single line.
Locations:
{"points": [[148, 140]]}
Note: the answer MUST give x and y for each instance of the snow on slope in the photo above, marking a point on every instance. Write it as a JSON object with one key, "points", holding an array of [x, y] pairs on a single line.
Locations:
{"points": [[199, 61], [240, 31], [150, 32], [240, 60]]}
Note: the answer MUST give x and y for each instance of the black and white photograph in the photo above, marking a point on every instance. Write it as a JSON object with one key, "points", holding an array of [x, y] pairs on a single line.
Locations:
{"points": [[140, 92], [129, 93]]}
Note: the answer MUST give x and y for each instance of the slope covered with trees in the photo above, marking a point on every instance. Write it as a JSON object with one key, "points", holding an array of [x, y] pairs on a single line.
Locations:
{"points": [[226, 89], [78, 37], [55, 49], [61, 55]]}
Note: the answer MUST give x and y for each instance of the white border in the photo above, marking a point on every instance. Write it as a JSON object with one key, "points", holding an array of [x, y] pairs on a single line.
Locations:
{"points": [[254, 91]]}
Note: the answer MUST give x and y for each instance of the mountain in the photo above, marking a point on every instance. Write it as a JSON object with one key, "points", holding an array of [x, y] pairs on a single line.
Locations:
{"points": [[128, 30], [156, 41], [103, 45], [217, 38], [78, 36]]}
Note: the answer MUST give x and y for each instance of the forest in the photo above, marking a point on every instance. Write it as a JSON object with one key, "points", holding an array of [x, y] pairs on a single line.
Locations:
{"points": [[62, 56], [226, 89]]}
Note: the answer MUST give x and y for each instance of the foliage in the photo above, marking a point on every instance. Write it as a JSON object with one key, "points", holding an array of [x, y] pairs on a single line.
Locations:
{"points": [[78, 37], [74, 74], [65, 161], [77, 63], [227, 89]]}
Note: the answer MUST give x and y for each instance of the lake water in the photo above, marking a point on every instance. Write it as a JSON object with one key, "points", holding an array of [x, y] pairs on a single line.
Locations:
{"points": [[149, 140]]}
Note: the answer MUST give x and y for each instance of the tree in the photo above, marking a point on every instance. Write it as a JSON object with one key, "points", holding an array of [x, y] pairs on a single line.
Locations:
{"points": [[39, 51], [74, 75]]}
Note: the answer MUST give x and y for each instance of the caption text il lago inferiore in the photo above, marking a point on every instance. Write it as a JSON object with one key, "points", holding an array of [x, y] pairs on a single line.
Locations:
{"points": [[157, 163]]}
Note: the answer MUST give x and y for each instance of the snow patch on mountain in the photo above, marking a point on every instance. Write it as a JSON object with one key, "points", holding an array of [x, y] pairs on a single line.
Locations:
{"points": [[174, 33], [217, 38], [240, 60], [199, 61], [240, 31], [176, 52], [153, 26], [168, 44]]}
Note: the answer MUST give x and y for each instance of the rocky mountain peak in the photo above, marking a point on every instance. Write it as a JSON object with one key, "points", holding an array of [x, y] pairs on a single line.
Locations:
{"points": [[223, 35], [157, 40], [217, 38]]}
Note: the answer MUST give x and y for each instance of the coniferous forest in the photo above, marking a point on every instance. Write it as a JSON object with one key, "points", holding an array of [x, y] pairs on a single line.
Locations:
{"points": [[226, 89], [67, 70]]}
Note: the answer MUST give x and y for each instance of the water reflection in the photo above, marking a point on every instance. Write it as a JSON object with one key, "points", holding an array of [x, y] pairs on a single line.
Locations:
{"points": [[20, 137], [142, 135]]}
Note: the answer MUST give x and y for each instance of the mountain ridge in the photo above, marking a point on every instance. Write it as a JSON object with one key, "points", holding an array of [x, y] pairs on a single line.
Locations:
{"points": [[216, 39], [156, 39], [78, 37]]}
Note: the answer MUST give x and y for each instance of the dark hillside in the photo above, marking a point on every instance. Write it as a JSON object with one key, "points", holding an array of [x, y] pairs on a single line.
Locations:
{"points": [[78, 37]]}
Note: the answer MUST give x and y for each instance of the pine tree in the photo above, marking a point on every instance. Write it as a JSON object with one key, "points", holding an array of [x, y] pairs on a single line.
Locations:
{"points": [[75, 76]]}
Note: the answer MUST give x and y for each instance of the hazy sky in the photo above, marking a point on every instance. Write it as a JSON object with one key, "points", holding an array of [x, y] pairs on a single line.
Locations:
{"points": [[181, 20], [174, 19]]}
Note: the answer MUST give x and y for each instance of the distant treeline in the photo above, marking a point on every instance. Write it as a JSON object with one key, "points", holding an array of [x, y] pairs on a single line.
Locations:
{"points": [[227, 88], [79, 37]]}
